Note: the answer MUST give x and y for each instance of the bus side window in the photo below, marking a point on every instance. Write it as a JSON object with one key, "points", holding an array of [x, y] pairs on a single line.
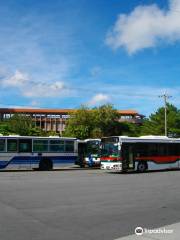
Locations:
{"points": [[162, 149], [25, 145], [141, 150], [40, 145], [69, 146], [173, 149], [12, 145], [2, 145], [177, 149], [56, 146], [152, 149]]}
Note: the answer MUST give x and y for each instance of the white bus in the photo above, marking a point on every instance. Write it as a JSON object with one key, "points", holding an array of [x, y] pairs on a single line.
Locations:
{"points": [[43, 153], [89, 152], [123, 153]]}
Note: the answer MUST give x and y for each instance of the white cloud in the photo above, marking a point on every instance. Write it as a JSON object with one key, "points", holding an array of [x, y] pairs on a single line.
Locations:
{"points": [[46, 56], [40, 90], [146, 27], [99, 99], [17, 80], [143, 98], [32, 88]]}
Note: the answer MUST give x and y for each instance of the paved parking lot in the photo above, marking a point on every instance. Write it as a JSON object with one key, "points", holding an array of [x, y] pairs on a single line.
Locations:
{"points": [[85, 204]]}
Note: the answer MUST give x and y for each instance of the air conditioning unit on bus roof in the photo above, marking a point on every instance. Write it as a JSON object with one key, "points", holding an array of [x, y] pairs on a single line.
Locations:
{"points": [[153, 136], [53, 136], [14, 135]]}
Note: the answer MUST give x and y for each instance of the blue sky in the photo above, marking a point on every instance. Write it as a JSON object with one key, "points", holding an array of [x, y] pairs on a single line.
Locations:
{"points": [[61, 54]]}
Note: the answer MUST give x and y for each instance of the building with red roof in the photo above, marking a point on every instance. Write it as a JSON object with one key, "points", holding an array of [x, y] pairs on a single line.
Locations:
{"points": [[55, 119]]}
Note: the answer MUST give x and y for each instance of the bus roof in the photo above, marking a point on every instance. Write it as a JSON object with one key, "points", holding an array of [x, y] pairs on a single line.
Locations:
{"points": [[89, 139], [149, 138], [92, 139], [37, 137]]}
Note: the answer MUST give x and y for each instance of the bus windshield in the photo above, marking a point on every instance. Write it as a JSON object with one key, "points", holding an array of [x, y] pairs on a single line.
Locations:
{"points": [[93, 147], [110, 147]]}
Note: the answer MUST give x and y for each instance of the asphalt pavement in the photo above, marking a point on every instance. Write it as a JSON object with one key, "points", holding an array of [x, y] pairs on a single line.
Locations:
{"points": [[86, 204]]}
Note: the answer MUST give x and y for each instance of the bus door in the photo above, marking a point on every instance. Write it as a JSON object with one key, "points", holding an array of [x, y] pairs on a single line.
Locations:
{"points": [[173, 149], [128, 155], [81, 153]]}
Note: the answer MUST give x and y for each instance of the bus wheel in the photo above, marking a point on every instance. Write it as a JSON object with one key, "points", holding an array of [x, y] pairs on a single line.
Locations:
{"points": [[142, 167], [45, 164]]}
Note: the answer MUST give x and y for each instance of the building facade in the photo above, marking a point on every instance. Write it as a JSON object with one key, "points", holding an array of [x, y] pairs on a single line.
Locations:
{"points": [[55, 119]]}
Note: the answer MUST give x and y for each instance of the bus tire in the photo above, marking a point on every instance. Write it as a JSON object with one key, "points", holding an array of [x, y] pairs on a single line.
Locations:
{"points": [[142, 167], [45, 164]]}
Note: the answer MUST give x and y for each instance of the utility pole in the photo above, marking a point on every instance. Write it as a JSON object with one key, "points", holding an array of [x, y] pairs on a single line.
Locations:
{"points": [[165, 97]]}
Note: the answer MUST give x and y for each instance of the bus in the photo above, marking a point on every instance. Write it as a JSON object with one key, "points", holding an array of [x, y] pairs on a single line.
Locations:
{"points": [[121, 153], [89, 152], [42, 153]]}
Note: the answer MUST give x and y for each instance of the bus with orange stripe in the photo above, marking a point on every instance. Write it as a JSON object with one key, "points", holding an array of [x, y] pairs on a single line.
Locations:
{"points": [[122, 153]]}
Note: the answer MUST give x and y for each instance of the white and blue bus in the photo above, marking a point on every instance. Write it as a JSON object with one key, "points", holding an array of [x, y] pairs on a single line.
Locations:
{"points": [[43, 153]]}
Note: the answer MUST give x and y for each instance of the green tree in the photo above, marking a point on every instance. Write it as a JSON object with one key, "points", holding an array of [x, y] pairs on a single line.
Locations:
{"points": [[20, 124], [97, 122], [80, 124], [129, 129], [36, 131], [106, 120], [5, 128], [154, 125]]}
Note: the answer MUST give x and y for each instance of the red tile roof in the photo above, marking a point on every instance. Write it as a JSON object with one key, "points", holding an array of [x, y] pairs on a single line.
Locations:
{"points": [[56, 111]]}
